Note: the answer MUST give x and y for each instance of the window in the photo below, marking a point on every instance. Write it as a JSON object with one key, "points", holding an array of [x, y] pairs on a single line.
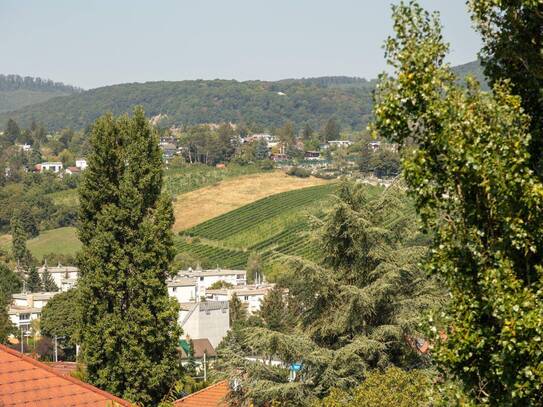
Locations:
{"points": [[174, 289], [201, 279], [246, 298], [24, 317]]}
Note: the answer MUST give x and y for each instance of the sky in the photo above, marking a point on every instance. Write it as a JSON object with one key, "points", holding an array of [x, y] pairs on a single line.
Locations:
{"points": [[93, 43]]}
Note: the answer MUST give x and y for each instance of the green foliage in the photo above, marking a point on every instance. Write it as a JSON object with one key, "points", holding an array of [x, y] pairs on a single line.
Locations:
{"points": [[472, 178], [33, 281], [273, 310], [18, 234], [392, 387], [47, 281], [10, 283], [254, 268], [352, 314], [208, 255], [61, 315], [238, 312], [513, 50], [299, 172], [128, 328], [217, 101], [331, 131], [220, 284]]}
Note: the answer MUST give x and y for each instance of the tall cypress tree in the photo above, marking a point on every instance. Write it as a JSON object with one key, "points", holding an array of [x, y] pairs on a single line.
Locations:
{"points": [[128, 328], [20, 251]]}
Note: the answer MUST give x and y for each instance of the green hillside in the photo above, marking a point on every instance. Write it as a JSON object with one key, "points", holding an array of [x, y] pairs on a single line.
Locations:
{"points": [[17, 92], [275, 226], [269, 104]]}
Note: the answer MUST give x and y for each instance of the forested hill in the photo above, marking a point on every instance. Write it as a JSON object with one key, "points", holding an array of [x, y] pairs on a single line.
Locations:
{"points": [[268, 104], [17, 92]]}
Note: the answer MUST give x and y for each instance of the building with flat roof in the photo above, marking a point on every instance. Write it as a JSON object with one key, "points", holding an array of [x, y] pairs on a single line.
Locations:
{"points": [[250, 295], [205, 319]]}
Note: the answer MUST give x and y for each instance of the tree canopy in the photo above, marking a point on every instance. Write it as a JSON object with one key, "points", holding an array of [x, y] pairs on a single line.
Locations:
{"points": [[128, 326], [467, 162]]}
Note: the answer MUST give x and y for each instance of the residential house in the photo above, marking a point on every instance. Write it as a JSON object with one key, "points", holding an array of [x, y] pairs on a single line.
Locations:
{"points": [[26, 382], [205, 319], [55, 167], [206, 278], [340, 143], [73, 170], [184, 289], [65, 277], [26, 307], [250, 295], [168, 149], [200, 347], [81, 163], [312, 155]]}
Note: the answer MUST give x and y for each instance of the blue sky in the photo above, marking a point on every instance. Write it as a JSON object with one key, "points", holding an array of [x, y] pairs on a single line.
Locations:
{"points": [[91, 43]]}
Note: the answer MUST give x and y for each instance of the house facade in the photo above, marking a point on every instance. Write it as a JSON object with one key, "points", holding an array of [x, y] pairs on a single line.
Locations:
{"points": [[250, 295], [206, 278], [205, 319]]}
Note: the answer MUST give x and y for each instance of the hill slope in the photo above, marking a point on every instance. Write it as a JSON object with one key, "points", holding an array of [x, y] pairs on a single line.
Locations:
{"points": [[17, 92], [269, 104]]}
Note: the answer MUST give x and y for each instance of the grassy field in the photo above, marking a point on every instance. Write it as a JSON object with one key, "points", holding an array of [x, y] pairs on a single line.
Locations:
{"points": [[206, 203], [61, 241]]}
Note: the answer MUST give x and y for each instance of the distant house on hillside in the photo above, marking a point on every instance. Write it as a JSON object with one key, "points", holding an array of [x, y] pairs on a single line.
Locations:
{"points": [[55, 167], [81, 164], [184, 289], [73, 170], [312, 155], [27, 307], [340, 143]]}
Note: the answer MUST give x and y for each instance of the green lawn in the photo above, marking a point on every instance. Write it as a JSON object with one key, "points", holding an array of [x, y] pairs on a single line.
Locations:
{"points": [[61, 241]]}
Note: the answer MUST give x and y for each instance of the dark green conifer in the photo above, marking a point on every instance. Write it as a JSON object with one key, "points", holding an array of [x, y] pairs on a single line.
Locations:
{"points": [[128, 329], [47, 281], [18, 234], [33, 281]]}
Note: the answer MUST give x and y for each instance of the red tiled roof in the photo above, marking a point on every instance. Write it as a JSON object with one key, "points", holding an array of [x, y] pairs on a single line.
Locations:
{"points": [[26, 382], [64, 368], [212, 396]]}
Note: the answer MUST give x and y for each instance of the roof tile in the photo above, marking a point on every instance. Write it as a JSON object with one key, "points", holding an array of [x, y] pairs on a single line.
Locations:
{"points": [[212, 396], [26, 382]]}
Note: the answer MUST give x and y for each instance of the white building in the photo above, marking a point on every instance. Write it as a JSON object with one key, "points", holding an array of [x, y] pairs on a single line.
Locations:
{"points": [[250, 295], [81, 164], [55, 167], [65, 277], [27, 307], [24, 147], [184, 289], [340, 143], [206, 278], [207, 319]]}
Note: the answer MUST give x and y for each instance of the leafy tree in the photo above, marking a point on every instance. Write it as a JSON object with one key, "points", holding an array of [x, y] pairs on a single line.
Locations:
{"points": [[260, 150], [354, 313], [332, 130], [33, 281], [6, 327], [220, 284], [471, 175], [286, 134], [10, 283], [18, 235], [513, 49], [392, 387], [238, 312], [273, 310], [128, 328], [61, 315], [47, 281]]}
